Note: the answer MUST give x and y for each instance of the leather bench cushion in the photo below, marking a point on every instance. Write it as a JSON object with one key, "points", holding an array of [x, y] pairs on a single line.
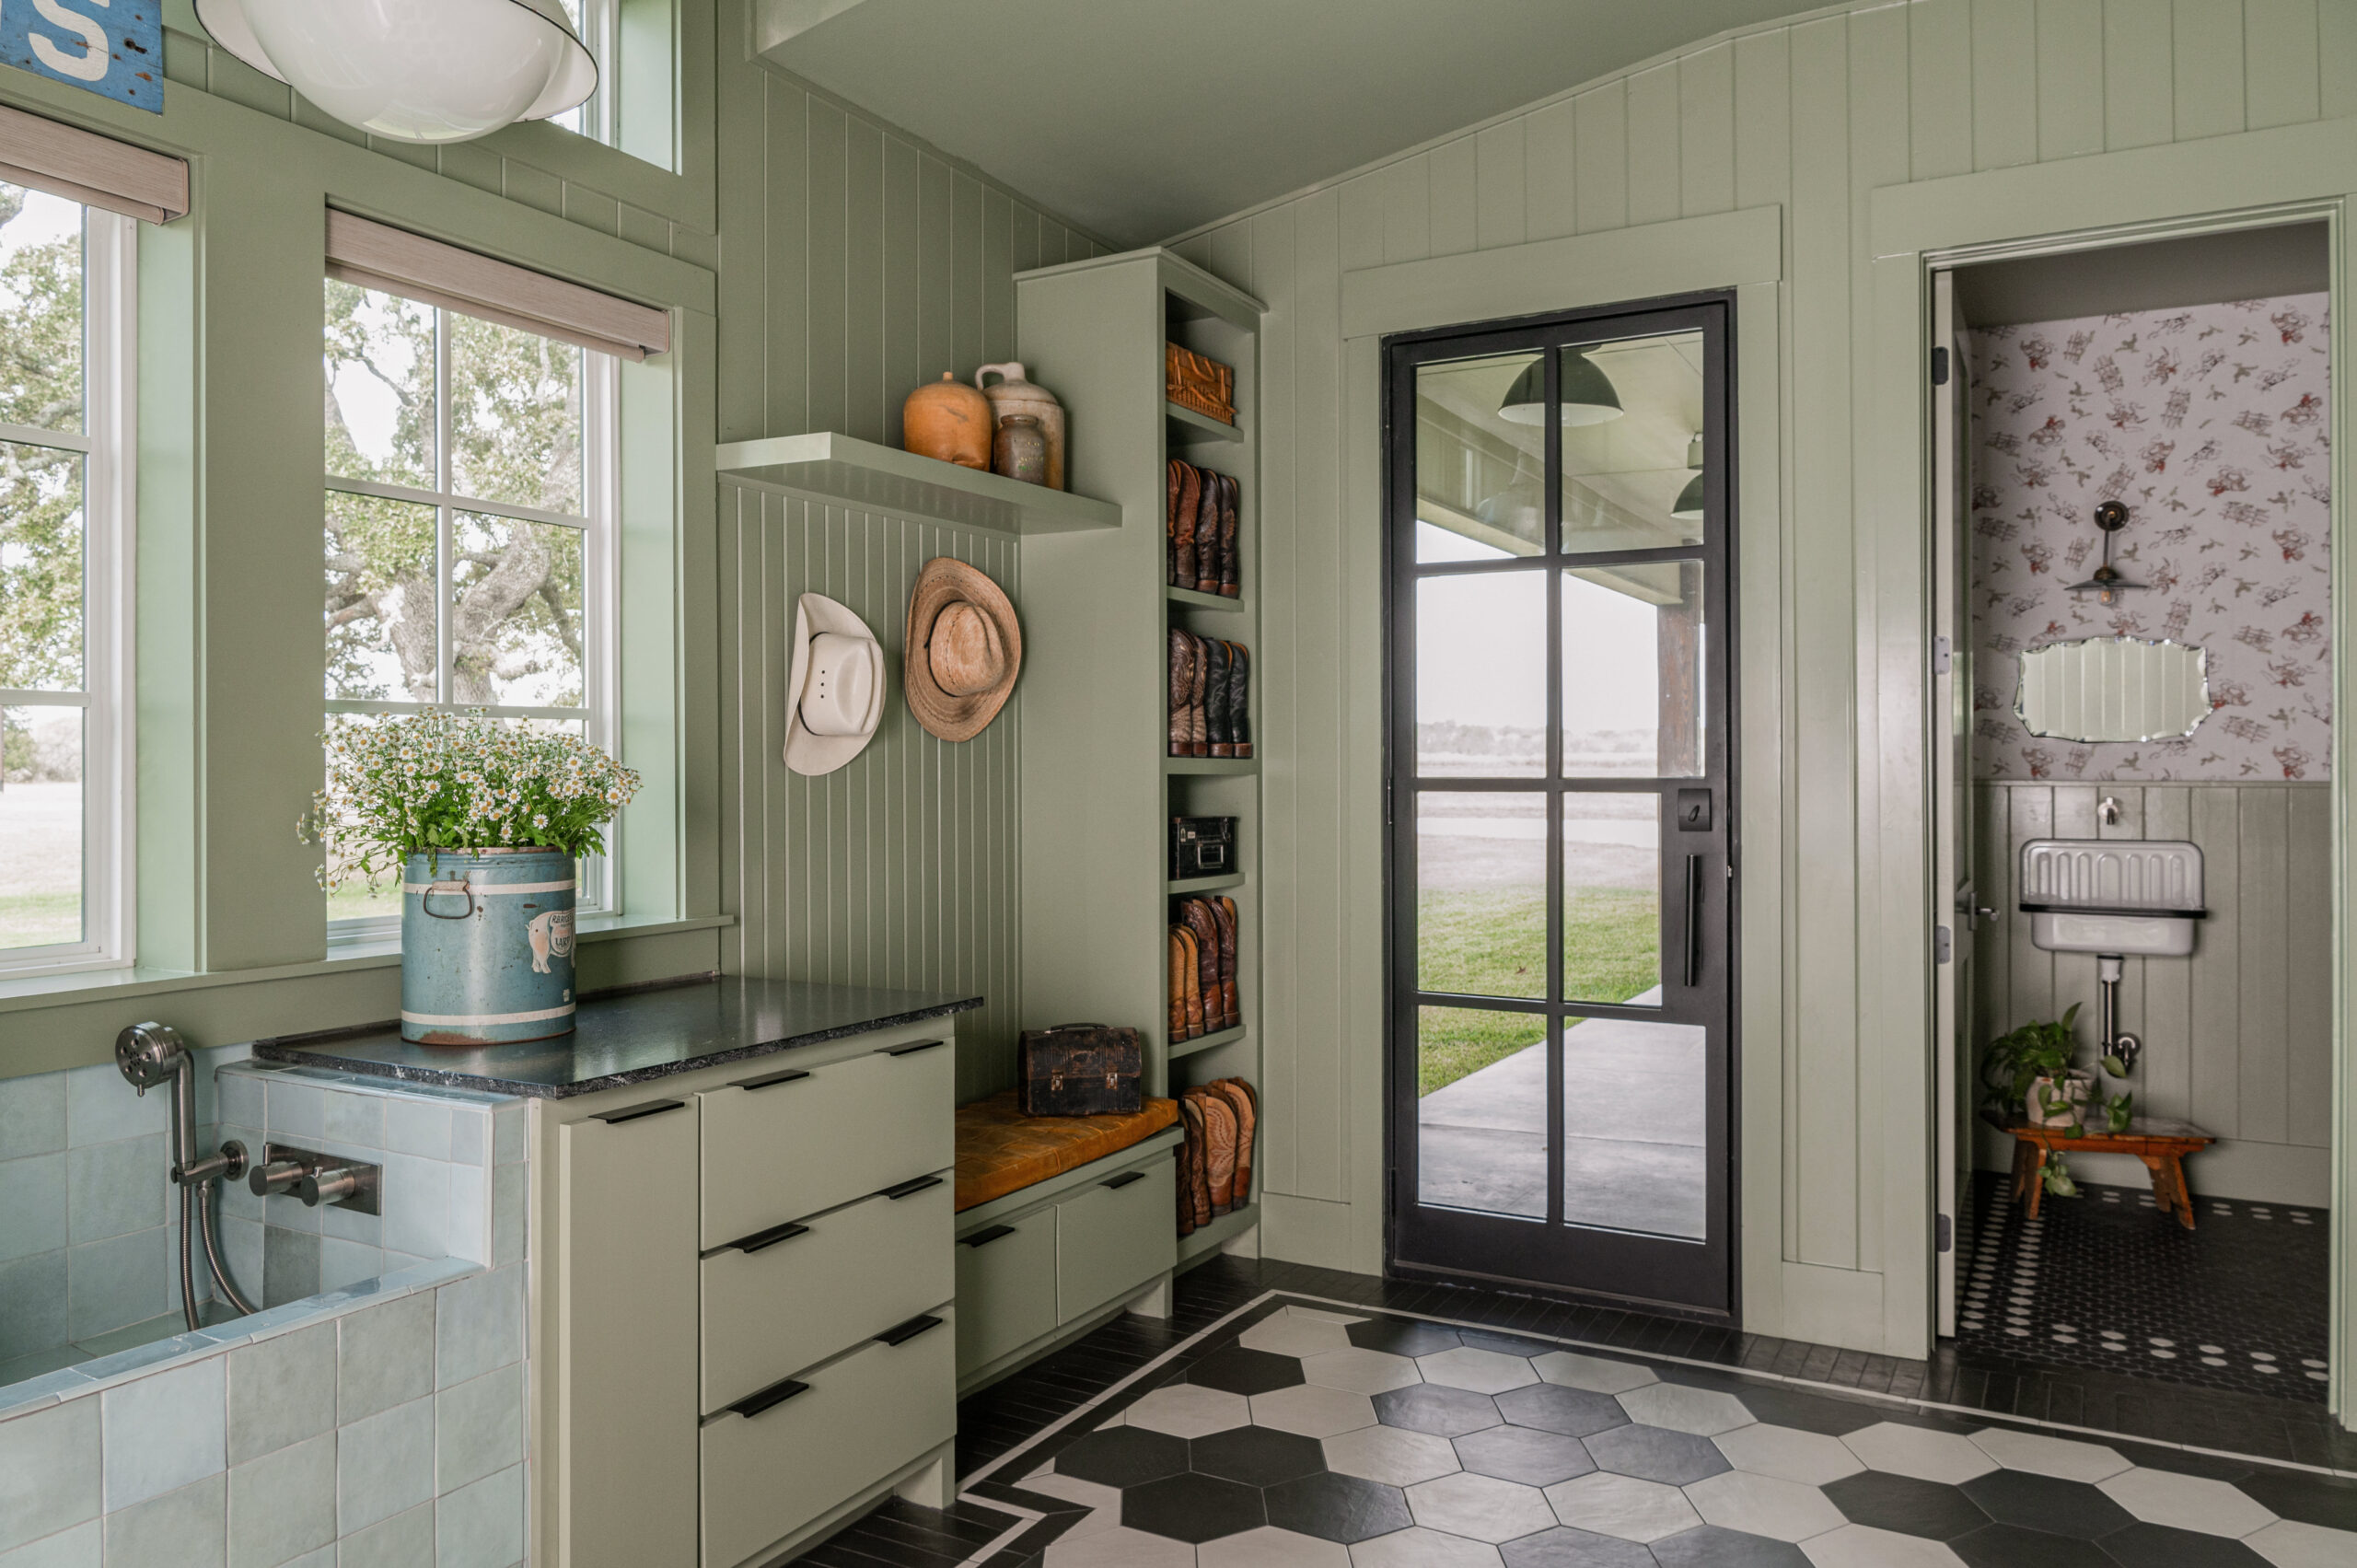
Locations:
{"points": [[1000, 1150]]}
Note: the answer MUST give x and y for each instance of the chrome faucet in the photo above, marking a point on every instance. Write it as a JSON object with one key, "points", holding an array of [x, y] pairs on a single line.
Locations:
{"points": [[151, 1055]]}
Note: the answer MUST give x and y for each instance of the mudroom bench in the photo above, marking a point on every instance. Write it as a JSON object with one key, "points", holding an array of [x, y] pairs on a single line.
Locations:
{"points": [[1062, 1223]]}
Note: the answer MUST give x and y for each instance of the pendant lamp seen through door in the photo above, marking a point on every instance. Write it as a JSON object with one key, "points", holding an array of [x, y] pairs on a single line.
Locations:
{"points": [[1588, 394]]}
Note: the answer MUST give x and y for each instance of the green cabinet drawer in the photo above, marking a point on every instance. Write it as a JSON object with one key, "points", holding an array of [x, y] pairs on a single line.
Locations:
{"points": [[788, 1298], [835, 1432], [784, 1142], [1115, 1235], [1006, 1288]]}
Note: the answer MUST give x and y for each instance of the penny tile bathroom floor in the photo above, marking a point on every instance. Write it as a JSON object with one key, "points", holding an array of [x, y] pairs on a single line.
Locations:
{"points": [[1290, 1416], [2106, 1281]]}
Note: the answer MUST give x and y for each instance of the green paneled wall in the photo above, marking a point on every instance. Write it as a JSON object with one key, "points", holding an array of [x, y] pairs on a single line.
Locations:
{"points": [[2238, 1038], [1809, 116]]}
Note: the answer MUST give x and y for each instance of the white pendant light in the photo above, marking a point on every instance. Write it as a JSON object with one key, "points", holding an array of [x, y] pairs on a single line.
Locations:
{"points": [[413, 70]]}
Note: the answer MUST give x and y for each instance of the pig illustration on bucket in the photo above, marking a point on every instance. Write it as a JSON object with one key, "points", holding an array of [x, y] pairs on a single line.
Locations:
{"points": [[550, 933]]}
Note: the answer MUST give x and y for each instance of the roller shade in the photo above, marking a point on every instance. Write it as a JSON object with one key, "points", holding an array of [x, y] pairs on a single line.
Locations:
{"points": [[95, 171], [375, 255]]}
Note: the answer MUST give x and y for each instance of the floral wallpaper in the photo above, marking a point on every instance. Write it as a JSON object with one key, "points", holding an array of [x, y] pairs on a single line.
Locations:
{"points": [[2209, 423]]}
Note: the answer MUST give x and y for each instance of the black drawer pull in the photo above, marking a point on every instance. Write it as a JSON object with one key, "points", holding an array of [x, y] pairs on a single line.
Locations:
{"points": [[984, 1237], [1124, 1180], [769, 1238], [774, 1394], [912, 1050], [632, 1113], [902, 1333], [910, 1188], [791, 1076]]}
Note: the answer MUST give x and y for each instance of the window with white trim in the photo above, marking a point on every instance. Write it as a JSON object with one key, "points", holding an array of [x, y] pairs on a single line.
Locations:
{"points": [[595, 21], [66, 365], [470, 549]]}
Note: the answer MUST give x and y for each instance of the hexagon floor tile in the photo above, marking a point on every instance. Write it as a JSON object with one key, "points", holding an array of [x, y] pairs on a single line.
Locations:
{"points": [[1317, 1439]]}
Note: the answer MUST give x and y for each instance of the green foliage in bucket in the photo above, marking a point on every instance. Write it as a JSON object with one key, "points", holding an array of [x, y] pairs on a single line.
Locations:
{"points": [[446, 781], [2036, 1059]]}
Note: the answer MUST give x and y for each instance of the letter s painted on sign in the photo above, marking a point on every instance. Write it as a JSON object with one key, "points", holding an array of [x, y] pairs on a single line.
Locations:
{"points": [[91, 66]]}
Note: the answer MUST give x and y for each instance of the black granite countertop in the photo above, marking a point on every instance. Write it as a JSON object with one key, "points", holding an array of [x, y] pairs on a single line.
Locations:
{"points": [[629, 1038]]}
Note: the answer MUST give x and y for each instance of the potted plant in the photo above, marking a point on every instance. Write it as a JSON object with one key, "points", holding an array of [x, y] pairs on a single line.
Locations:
{"points": [[2032, 1067], [485, 821]]}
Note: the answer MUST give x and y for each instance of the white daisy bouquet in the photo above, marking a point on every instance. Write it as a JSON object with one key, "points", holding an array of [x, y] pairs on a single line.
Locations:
{"points": [[444, 781]]}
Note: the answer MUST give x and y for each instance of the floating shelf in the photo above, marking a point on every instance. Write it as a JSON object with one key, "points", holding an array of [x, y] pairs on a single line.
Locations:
{"points": [[1203, 884], [1226, 765], [847, 469], [1195, 600], [1189, 427], [1219, 1233], [1209, 1042]]}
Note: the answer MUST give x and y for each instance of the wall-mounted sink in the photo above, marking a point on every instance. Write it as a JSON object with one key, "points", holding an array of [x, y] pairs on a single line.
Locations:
{"points": [[2135, 898]]}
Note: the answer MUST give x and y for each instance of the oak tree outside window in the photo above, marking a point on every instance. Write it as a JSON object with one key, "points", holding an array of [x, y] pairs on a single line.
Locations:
{"points": [[469, 537], [66, 281]]}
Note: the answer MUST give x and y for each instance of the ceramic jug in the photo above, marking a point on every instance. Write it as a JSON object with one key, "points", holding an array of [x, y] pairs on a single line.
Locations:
{"points": [[1014, 394], [949, 421], [1019, 449]]}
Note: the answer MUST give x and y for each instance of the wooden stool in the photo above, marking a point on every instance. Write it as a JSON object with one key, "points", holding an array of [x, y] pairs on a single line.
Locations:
{"points": [[2162, 1145]]}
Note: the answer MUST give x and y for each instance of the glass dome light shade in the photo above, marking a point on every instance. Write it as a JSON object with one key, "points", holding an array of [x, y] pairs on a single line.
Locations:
{"points": [[413, 70], [1588, 394]]}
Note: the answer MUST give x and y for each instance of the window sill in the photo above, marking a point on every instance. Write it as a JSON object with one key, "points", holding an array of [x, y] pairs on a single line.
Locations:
{"points": [[25, 992]]}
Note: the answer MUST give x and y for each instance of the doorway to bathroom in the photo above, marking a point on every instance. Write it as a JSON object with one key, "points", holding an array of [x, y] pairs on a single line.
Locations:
{"points": [[1559, 864], [2132, 678]]}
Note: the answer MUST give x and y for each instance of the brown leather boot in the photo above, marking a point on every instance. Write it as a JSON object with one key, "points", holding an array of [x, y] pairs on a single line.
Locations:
{"points": [[1239, 699], [1240, 1100], [1203, 925], [1198, 727], [1182, 962], [1185, 506], [1231, 575], [1182, 690], [1191, 1163], [1215, 709], [1231, 1005]]}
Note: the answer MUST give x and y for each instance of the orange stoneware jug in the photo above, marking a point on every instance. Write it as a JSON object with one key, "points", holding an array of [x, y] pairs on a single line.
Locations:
{"points": [[950, 421]]}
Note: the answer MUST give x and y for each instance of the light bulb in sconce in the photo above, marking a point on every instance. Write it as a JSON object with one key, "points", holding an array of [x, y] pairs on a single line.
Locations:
{"points": [[425, 71]]}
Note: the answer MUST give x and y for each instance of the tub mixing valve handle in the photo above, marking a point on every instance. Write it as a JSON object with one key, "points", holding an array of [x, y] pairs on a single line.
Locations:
{"points": [[277, 1175], [327, 1186]]}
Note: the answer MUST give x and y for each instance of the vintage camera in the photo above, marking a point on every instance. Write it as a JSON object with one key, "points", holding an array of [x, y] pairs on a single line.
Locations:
{"points": [[1201, 846]]}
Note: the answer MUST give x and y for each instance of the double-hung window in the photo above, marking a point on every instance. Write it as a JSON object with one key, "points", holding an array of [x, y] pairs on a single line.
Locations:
{"points": [[66, 358], [595, 21], [470, 544]]}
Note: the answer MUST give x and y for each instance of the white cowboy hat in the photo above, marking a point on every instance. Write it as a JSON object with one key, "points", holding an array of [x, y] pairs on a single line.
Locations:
{"points": [[835, 690]]}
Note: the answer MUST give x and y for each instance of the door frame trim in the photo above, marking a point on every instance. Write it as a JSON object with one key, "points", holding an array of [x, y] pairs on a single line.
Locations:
{"points": [[2253, 179]]}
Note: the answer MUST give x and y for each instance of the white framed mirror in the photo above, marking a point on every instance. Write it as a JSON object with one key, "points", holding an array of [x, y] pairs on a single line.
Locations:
{"points": [[2114, 689]]}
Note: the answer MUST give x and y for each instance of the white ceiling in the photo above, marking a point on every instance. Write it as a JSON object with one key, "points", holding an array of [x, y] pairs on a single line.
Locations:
{"points": [[1140, 120]]}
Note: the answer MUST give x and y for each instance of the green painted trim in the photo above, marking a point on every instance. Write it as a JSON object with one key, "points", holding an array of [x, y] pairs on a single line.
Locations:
{"points": [[835, 467], [1682, 255], [2300, 171], [1042, 1194], [1210, 1239], [1209, 1042], [1214, 294]]}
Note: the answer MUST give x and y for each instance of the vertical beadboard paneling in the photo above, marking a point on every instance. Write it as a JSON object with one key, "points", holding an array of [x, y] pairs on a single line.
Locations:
{"points": [[1653, 114], [2281, 82], [1456, 200], [1551, 183], [1939, 95], [2167, 1024], [1763, 119], [2217, 1017], [2307, 956], [864, 282], [2207, 36], [1706, 155], [2070, 77], [899, 869], [1407, 189], [2261, 1062], [1600, 157], [2337, 59], [786, 333], [1499, 169], [2004, 83], [2138, 73]]}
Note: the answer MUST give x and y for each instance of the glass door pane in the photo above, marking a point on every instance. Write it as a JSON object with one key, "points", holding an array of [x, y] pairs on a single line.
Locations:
{"points": [[1480, 458], [1481, 676], [1612, 899], [1633, 638], [1633, 438], [1481, 1110], [1481, 893], [1635, 1144]]}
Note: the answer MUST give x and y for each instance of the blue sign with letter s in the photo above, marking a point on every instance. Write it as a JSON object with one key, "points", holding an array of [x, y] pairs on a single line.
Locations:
{"points": [[113, 48]]}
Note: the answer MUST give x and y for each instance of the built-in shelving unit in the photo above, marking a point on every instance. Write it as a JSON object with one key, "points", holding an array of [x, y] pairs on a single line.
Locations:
{"points": [[845, 467], [1098, 787]]}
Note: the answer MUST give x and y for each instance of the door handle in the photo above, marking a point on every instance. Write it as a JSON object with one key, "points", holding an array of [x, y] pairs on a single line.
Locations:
{"points": [[1693, 920]]}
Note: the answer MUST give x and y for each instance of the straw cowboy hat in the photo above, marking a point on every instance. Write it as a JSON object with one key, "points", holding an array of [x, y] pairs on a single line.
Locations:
{"points": [[963, 652], [835, 689]]}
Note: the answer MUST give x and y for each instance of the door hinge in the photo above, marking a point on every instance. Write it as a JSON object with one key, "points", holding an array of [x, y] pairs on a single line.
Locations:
{"points": [[1947, 1234], [1939, 366], [1940, 944], [1942, 658]]}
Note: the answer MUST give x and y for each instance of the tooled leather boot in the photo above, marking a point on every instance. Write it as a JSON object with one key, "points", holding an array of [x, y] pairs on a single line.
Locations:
{"points": [[1185, 505], [1231, 570], [1182, 964], [1231, 1004], [1203, 925], [1239, 699], [1198, 725], [1182, 690], [1216, 699], [1207, 533], [1240, 1100]]}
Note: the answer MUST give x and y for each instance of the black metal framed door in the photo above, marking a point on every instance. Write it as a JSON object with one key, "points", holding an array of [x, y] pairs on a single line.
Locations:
{"points": [[1560, 865]]}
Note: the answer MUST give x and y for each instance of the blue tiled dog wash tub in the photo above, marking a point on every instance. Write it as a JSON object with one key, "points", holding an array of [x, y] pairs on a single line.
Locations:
{"points": [[486, 945]]}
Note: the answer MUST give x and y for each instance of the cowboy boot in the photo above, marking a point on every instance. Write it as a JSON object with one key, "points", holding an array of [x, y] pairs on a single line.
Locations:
{"points": [[1231, 571], [1182, 690], [1185, 547], [1216, 699], [1188, 1007], [1207, 533], [1204, 926], [1219, 1148], [1190, 1146], [1181, 961], [1231, 1004], [1240, 1099], [1239, 699], [1173, 482], [1198, 729]]}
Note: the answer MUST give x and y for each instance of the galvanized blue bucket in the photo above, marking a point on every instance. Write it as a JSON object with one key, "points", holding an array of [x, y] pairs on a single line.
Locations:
{"points": [[486, 945]]}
